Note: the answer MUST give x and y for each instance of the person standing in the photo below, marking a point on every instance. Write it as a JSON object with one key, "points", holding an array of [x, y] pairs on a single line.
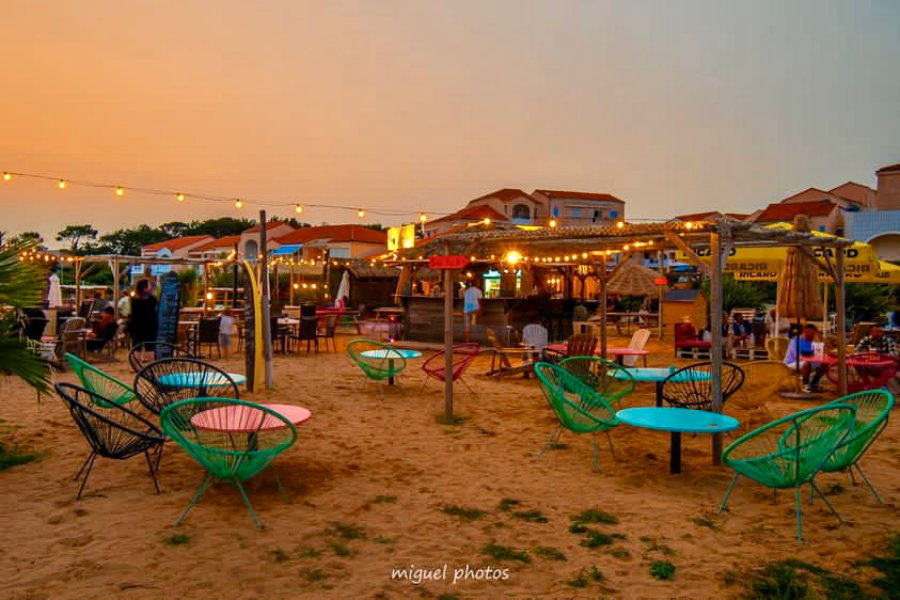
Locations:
{"points": [[142, 323], [471, 306]]}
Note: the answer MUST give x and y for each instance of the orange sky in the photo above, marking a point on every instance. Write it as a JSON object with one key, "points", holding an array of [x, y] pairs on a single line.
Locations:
{"points": [[424, 105]]}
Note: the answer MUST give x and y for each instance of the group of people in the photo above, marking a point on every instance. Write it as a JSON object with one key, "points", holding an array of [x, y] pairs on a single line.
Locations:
{"points": [[138, 312]]}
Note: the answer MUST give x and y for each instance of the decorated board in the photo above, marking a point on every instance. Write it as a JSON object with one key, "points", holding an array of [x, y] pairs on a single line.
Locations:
{"points": [[255, 363], [167, 314]]}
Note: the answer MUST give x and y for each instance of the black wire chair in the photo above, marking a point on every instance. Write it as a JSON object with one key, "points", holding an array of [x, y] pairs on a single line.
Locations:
{"points": [[691, 386], [171, 380], [112, 430], [160, 351]]}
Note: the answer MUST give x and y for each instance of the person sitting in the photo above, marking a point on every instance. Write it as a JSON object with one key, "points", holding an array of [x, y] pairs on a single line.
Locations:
{"points": [[580, 312], [804, 344], [103, 330], [741, 329], [876, 341]]}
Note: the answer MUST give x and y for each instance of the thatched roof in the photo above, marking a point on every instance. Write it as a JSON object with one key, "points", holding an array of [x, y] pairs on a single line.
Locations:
{"points": [[364, 270], [798, 294], [633, 279]]}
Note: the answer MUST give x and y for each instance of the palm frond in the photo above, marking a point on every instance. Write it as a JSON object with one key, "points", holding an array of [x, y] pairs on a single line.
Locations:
{"points": [[21, 284], [17, 360]]}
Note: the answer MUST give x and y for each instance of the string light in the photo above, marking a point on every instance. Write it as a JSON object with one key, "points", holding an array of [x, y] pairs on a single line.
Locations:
{"points": [[239, 203], [298, 209], [552, 223], [689, 225], [120, 191], [620, 224], [179, 196], [361, 213], [61, 184], [7, 176], [423, 218], [487, 221]]}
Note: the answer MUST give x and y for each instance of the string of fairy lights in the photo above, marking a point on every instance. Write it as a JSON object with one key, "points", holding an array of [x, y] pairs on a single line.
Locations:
{"points": [[182, 196]]}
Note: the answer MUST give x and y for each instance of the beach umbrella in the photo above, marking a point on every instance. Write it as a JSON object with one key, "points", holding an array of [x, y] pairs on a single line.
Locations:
{"points": [[633, 279], [54, 293], [344, 287]]}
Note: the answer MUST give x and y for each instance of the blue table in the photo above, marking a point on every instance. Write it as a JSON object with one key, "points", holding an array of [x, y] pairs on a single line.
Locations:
{"points": [[391, 354], [201, 380], [677, 421], [658, 375]]}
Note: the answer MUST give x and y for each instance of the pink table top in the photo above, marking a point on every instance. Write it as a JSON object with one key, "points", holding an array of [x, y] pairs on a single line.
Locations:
{"points": [[822, 360], [852, 362], [611, 350], [245, 419]]}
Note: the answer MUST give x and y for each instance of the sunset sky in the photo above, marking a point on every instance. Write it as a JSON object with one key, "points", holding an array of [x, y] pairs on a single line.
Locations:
{"points": [[672, 106]]}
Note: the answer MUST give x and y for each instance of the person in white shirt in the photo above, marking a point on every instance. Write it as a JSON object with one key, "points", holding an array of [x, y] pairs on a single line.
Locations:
{"points": [[471, 306]]}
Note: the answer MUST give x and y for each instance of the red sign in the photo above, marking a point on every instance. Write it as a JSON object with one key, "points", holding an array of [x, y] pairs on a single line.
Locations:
{"points": [[661, 281], [447, 262]]}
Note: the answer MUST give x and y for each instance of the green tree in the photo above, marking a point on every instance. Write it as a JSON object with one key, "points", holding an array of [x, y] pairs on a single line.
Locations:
{"points": [[74, 234], [21, 286], [128, 241], [28, 239], [740, 294]]}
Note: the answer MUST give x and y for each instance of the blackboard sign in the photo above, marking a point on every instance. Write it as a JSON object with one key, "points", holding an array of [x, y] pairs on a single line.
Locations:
{"points": [[167, 314]]}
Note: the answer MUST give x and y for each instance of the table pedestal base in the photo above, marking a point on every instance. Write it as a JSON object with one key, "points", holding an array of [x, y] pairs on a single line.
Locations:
{"points": [[675, 453]]}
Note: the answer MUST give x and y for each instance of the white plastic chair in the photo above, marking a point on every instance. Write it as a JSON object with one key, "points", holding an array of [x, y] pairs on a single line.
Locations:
{"points": [[638, 341], [535, 336]]}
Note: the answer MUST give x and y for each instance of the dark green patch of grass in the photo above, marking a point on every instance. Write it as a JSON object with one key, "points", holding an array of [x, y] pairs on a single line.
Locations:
{"points": [[795, 579], [179, 539], [558, 447], [279, 555], [654, 546], [13, 457], [535, 516], [593, 515], [705, 522], [595, 539], [662, 570], [579, 581], [597, 574], [384, 540], [578, 528], [549, 553], [834, 489], [454, 421], [314, 574], [620, 536], [507, 504], [340, 549], [498, 552], [349, 532], [466, 514], [308, 553], [729, 577], [620, 553], [889, 567], [385, 499], [448, 597]]}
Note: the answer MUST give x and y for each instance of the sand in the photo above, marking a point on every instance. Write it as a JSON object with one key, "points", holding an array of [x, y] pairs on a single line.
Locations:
{"points": [[385, 467]]}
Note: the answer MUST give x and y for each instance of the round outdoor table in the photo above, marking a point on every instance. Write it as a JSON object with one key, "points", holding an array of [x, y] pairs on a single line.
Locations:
{"points": [[197, 379], [617, 351], [822, 360], [677, 421], [240, 418], [391, 354], [658, 375]]}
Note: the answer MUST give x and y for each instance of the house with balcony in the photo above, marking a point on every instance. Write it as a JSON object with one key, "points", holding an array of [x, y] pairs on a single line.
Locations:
{"points": [[249, 238], [570, 208], [470, 215], [338, 241]]}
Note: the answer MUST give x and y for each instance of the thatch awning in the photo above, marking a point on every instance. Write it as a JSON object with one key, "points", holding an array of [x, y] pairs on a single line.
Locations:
{"points": [[364, 270], [633, 279]]}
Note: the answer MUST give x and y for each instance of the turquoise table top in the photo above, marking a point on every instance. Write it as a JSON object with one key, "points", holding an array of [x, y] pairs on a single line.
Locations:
{"points": [[680, 420], [658, 374], [392, 353], [198, 379]]}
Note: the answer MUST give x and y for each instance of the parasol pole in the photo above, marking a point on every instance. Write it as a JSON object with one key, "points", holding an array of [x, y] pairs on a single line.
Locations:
{"points": [[662, 291], [715, 285], [839, 299], [448, 339]]}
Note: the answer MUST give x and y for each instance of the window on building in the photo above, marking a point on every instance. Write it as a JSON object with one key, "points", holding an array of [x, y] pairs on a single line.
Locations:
{"points": [[576, 213], [822, 228], [598, 215], [521, 212], [556, 211], [339, 252], [613, 214]]}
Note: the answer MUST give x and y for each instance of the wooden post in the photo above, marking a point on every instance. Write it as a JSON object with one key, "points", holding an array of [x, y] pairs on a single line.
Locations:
{"points": [[601, 272], [662, 292], [205, 288], [715, 286], [78, 264], [448, 340], [839, 301], [234, 279], [115, 270], [264, 278]]}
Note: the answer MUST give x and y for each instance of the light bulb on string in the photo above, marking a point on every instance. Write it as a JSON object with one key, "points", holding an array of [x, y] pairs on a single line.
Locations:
{"points": [[120, 191], [361, 213], [298, 209], [423, 218], [552, 223], [61, 184], [179, 196], [239, 203], [7, 176]]}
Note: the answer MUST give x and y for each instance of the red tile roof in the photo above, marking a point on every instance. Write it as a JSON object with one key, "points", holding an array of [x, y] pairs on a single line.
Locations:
{"points": [[335, 233], [175, 243], [269, 225], [504, 195], [787, 212], [479, 212], [888, 169], [580, 195], [701, 216], [225, 242]]}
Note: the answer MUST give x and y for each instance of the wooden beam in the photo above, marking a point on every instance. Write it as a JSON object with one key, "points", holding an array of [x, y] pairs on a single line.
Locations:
{"points": [[679, 243], [601, 278], [840, 301]]}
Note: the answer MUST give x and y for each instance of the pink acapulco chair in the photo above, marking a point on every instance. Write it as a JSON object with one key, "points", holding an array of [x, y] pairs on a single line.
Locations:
{"points": [[463, 356]]}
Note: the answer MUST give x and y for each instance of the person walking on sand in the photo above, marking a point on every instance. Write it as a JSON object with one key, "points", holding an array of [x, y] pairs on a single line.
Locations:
{"points": [[471, 306], [142, 320]]}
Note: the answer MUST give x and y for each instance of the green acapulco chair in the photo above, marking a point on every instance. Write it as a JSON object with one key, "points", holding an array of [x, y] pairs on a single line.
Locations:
{"points": [[385, 365], [100, 383], [872, 410], [610, 380], [577, 406], [233, 440], [790, 451]]}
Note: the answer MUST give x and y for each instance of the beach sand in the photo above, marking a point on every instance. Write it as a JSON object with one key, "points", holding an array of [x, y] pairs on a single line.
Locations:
{"points": [[367, 482]]}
